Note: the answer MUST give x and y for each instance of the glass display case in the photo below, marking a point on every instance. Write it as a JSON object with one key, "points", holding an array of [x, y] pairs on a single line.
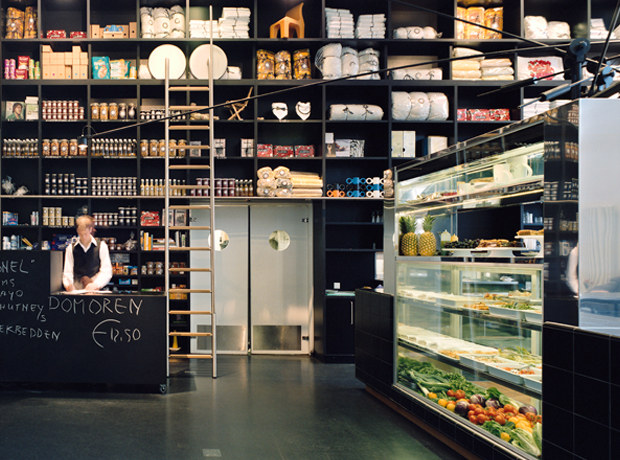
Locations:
{"points": [[468, 282]]}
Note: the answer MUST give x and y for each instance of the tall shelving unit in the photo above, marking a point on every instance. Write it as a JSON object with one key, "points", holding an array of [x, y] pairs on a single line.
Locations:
{"points": [[346, 240]]}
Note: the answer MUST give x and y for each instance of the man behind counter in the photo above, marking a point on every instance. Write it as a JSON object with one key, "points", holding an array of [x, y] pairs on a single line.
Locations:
{"points": [[87, 262]]}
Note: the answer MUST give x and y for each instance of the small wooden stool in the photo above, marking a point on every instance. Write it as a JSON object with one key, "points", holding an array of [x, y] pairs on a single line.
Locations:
{"points": [[293, 20], [237, 107]]}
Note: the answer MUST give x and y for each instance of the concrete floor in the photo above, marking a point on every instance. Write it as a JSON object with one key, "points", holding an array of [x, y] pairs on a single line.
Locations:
{"points": [[259, 407]]}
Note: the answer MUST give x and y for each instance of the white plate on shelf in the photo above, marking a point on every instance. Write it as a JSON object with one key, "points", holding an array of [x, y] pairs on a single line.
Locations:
{"points": [[503, 371], [482, 252], [533, 316], [533, 382], [157, 62], [199, 62]]}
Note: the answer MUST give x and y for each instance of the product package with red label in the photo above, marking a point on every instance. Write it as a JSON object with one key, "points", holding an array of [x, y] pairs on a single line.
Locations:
{"points": [[77, 34], [499, 114], [478, 115], [56, 34], [283, 151], [461, 114], [304, 151], [149, 219], [264, 150]]}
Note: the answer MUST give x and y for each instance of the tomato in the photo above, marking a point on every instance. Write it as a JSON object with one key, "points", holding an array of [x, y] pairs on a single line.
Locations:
{"points": [[482, 418], [442, 402], [508, 415], [530, 416], [500, 410], [459, 394], [450, 393], [500, 419], [478, 411], [470, 414], [491, 411], [510, 408], [432, 395], [539, 419], [473, 420]]}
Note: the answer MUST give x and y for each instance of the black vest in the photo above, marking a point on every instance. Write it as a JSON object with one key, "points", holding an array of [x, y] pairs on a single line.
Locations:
{"points": [[86, 263]]}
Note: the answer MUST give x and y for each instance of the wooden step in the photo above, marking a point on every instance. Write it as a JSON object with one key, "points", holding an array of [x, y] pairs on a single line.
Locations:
{"points": [[189, 269], [189, 227], [190, 334], [186, 291], [188, 88], [186, 147], [188, 312], [190, 206], [192, 356], [188, 248], [188, 128]]}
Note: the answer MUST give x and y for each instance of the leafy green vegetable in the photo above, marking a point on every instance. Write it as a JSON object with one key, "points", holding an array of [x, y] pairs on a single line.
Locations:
{"points": [[497, 429], [493, 392], [525, 440], [537, 433]]}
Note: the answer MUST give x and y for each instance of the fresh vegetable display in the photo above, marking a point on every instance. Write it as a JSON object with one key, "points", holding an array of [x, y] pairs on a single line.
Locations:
{"points": [[516, 423]]}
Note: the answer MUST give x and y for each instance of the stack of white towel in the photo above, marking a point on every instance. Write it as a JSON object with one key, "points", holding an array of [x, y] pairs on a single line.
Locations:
{"points": [[336, 61], [340, 23], [476, 67], [235, 23], [370, 26]]}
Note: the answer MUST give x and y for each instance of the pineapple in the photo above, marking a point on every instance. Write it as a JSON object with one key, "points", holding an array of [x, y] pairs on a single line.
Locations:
{"points": [[428, 242], [409, 240]]}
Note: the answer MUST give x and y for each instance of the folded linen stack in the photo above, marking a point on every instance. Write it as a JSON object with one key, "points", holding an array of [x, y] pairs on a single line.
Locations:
{"points": [[537, 27], [419, 106], [476, 67], [370, 26], [235, 23], [339, 23], [335, 61], [306, 184], [202, 29]]}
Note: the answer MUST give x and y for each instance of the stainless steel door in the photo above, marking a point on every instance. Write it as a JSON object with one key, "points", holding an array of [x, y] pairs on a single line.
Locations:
{"points": [[281, 278], [231, 279]]}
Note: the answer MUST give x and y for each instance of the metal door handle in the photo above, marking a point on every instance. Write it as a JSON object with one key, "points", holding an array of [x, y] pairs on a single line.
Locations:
{"points": [[351, 313]]}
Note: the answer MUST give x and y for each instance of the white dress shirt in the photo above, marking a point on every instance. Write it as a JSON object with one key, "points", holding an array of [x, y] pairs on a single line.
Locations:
{"points": [[103, 276]]}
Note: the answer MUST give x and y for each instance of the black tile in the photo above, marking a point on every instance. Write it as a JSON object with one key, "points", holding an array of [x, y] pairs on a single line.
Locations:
{"points": [[614, 352], [614, 401], [591, 439], [432, 419], [592, 354], [501, 454], [592, 399], [418, 409], [558, 346], [552, 451], [615, 444], [561, 421], [558, 387]]}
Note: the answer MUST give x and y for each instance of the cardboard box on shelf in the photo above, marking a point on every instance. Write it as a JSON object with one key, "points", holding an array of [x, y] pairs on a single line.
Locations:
{"points": [[133, 30], [409, 144], [116, 31], [95, 31]]}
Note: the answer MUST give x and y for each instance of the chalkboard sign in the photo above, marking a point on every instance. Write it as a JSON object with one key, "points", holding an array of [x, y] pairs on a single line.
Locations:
{"points": [[95, 338]]}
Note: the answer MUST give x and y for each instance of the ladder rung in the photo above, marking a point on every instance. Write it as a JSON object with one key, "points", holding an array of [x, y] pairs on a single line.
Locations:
{"points": [[190, 334], [189, 227], [187, 248], [188, 88], [193, 356], [188, 269], [188, 128], [188, 312], [190, 206], [187, 291], [188, 147], [189, 167]]}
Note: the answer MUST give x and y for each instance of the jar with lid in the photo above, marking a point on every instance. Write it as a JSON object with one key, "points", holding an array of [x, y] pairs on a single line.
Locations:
{"points": [[54, 148], [144, 148], [172, 147], [162, 147], [122, 111], [64, 147], [181, 151], [153, 148], [113, 111], [103, 111], [73, 148], [45, 147], [131, 112], [94, 111]]}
